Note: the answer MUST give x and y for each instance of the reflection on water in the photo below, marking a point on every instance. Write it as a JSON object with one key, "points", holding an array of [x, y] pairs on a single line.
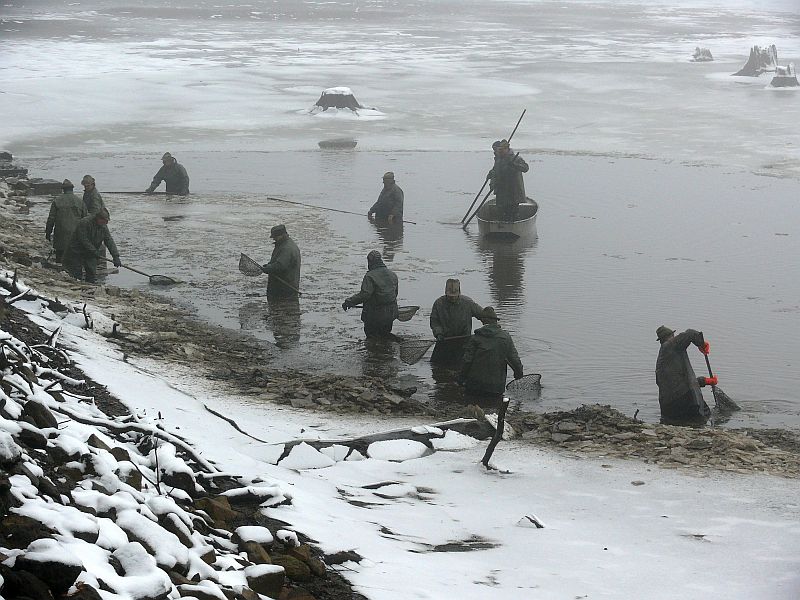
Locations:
{"points": [[391, 237], [280, 316], [506, 266]]}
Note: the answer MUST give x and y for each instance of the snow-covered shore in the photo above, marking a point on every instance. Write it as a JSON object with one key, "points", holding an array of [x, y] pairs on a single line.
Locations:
{"points": [[438, 526]]}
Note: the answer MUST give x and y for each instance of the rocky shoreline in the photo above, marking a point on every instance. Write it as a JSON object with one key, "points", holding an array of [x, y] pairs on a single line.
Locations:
{"points": [[151, 326]]}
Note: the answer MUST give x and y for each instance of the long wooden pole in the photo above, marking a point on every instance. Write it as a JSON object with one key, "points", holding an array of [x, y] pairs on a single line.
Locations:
{"points": [[339, 210], [485, 198], [524, 110]]}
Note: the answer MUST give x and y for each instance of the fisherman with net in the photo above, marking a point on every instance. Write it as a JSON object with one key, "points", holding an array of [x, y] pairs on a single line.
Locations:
{"points": [[173, 174], [678, 388], [283, 267], [451, 317], [378, 296], [83, 250], [65, 212], [487, 355], [389, 205]]}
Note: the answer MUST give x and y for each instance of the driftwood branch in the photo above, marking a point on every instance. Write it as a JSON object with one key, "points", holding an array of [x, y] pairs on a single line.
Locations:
{"points": [[423, 434], [145, 429], [234, 424]]}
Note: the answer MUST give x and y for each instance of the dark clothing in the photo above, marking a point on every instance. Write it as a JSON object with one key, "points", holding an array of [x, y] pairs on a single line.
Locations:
{"points": [[93, 202], [175, 176], [678, 391], [452, 319], [508, 185], [65, 212], [84, 247], [379, 296], [389, 203], [284, 264], [486, 356]]}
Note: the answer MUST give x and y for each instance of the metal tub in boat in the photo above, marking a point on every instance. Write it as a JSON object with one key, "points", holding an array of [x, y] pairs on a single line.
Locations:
{"points": [[491, 226]]}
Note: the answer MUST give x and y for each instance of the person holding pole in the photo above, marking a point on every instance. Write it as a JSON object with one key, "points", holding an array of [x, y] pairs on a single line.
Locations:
{"points": [[283, 267], [506, 179]]}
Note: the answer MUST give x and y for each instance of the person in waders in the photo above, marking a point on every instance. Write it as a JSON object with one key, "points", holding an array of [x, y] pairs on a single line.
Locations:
{"points": [[487, 356], [679, 392], [506, 180], [451, 317], [173, 174], [283, 267], [90, 235], [388, 208], [65, 212], [378, 296]]}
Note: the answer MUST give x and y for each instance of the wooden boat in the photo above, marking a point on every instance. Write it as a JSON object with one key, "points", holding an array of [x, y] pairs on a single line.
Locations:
{"points": [[491, 226]]}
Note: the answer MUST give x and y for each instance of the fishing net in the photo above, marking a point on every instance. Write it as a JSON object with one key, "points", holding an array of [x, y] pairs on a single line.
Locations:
{"points": [[724, 402], [525, 384], [404, 313], [162, 280], [249, 267], [412, 350]]}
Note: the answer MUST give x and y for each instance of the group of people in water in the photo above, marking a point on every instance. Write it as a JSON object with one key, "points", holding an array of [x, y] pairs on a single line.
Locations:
{"points": [[78, 229]]}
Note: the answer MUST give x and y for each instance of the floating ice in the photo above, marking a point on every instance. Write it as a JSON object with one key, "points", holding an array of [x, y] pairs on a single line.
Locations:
{"points": [[397, 450]]}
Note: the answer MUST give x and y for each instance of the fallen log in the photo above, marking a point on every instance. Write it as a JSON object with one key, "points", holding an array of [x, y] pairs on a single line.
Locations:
{"points": [[421, 433]]}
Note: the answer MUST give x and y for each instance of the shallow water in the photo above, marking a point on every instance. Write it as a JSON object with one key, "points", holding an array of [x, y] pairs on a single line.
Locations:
{"points": [[688, 239], [623, 246]]}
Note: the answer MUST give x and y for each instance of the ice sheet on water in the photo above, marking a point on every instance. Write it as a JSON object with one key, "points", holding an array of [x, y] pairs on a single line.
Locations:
{"points": [[397, 450]]}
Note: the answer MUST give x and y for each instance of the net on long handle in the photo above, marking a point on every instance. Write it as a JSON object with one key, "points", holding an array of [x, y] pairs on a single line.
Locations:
{"points": [[412, 350], [248, 266]]}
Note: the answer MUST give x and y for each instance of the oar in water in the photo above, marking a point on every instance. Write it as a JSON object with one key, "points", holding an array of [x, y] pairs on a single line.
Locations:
{"points": [[145, 193], [339, 210], [251, 268], [154, 279]]}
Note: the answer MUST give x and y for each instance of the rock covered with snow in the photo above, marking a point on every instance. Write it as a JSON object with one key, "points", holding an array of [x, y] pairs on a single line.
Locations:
{"points": [[99, 509]]}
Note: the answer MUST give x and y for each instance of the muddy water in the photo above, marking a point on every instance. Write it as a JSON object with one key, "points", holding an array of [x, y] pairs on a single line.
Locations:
{"points": [[623, 246]]}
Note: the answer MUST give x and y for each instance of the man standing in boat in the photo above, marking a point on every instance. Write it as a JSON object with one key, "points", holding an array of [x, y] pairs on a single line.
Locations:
{"points": [[451, 317], [678, 389], [506, 180], [389, 206]]}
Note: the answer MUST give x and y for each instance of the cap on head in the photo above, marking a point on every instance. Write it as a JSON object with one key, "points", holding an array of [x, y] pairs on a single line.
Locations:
{"points": [[452, 287], [103, 214], [497, 144], [663, 332], [87, 179], [67, 185], [488, 315], [277, 231], [166, 156], [388, 176], [374, 255]]}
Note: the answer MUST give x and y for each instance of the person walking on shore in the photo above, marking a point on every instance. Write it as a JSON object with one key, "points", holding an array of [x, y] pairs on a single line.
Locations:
{"points": [[451, 316], [506, 180], [389, 205], [65, 212], [378, 296], [173, 174], [679, 392], [487, 355], [283, 267], [83, 250]]}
